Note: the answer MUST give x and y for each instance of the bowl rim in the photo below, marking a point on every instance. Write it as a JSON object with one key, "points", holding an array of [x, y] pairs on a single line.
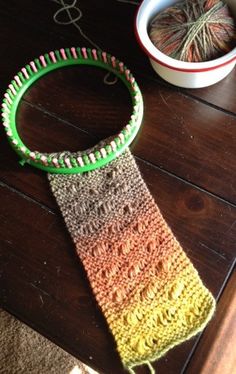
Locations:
{"points": [[169, 62]]}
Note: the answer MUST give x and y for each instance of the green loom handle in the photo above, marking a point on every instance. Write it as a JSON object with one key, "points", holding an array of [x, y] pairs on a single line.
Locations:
{"points": [[85, 161]]}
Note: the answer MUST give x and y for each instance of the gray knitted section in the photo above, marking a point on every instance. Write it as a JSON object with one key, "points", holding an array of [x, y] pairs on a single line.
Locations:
{"points": [[93, 203]]}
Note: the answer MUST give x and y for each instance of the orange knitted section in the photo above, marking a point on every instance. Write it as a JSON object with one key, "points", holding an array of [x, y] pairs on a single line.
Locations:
{"points": [[147, 288]]}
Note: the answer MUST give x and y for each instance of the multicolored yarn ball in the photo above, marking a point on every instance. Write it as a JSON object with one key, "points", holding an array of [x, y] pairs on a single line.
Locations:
{"points": [[194, 30]]}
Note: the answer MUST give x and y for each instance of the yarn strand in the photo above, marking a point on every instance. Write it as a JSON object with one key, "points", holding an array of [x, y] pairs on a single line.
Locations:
{"points": [[151, 368], [68, 8], [74, 21]]}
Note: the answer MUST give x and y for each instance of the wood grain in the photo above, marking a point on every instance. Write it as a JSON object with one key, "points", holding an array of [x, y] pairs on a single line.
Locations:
{"points": [[197, 211], [118, 40], [201, 135], [185, 152], [37, 259], [216, 353], [221, 95]]}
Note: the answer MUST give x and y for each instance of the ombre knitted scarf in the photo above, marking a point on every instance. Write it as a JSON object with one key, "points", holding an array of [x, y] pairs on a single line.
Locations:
{"points": [[146, 286]]}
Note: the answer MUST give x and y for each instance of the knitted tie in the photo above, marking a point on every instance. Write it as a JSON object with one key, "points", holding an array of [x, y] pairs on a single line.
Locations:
{"points": [[147, 288]]}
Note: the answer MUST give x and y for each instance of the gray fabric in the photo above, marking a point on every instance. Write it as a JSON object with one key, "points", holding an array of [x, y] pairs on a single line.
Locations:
{"points": [[24, 351]]}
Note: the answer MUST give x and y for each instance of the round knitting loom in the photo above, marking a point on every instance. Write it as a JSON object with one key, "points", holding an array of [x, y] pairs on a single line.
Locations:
{"points": [[87, 160]]}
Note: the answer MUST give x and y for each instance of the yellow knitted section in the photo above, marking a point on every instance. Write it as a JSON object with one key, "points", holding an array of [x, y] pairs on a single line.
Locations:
{"points": [[169, 311]]}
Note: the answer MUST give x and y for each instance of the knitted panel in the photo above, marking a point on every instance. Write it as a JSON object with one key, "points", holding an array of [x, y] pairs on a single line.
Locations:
{"points": [[148, 290]]}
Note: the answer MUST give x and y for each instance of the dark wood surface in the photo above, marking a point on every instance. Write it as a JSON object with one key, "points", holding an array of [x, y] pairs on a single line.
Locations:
{"points": [[186, 153], [215, 353]]}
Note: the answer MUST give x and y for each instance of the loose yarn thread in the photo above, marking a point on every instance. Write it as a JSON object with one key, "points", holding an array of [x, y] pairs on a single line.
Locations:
{"points": [[194, 30], [73, 19]]}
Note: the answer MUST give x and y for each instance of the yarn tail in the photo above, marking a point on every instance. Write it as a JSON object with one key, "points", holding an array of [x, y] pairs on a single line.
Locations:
{"points": [[148, 363]]}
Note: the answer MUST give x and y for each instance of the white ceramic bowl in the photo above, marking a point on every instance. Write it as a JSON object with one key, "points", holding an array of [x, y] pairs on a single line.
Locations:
{"points": [[179, 73]]}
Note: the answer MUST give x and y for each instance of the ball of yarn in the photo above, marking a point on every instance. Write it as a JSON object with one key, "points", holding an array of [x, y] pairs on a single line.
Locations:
{"points": [[194, 30]]}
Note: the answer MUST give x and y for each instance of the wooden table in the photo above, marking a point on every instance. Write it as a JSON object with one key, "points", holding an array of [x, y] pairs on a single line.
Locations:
{"points": [[186, 152]]}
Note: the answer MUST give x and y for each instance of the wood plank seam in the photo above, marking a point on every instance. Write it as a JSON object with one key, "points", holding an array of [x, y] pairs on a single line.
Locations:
{"points": [[94, 136], [218, 298], [26, 197], [213, 106], [61, 33]]}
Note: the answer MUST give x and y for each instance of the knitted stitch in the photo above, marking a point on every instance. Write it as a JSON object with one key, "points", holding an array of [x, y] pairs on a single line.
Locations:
{"points": [[148, 290]]}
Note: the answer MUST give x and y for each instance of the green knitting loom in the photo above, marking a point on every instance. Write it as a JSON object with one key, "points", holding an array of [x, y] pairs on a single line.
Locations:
{"points": [[58, 59], [147, 288]]}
